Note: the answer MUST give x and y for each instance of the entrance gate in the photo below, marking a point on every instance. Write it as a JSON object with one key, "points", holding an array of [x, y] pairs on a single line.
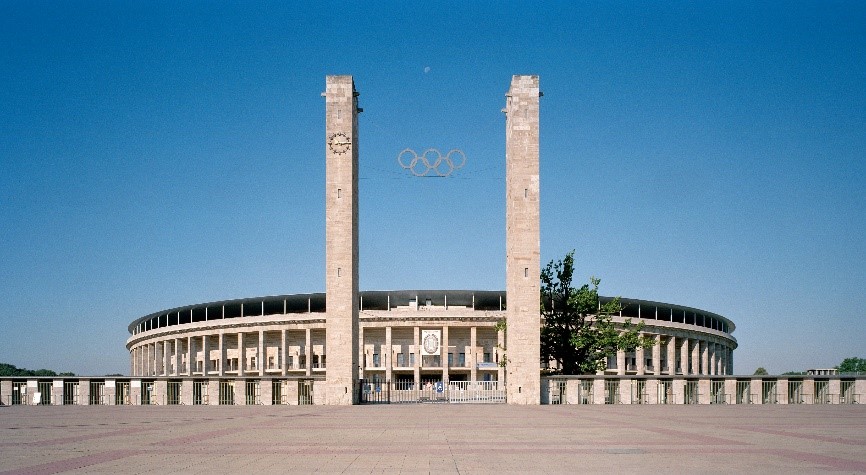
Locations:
{"points": [[121, 394], [305, 392], [455, 392], [744, 392], [45, 392]]}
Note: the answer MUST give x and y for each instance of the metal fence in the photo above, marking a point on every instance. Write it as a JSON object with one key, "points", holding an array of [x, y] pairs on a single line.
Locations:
{"points": [[795, 392], [717, 392], [769, 392], [226, 393], [455, 392], [744, 392]]}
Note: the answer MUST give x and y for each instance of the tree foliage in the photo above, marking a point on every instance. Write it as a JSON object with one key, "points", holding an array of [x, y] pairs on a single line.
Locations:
{"points": [[578, 332], [7, 369], [852, 365], [761, 371]]}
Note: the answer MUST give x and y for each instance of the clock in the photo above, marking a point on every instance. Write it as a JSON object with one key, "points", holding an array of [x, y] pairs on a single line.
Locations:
{"points": [[339, 143], [431, 344]]}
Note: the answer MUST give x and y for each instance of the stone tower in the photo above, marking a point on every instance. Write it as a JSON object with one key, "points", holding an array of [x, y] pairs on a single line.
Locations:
{"points": [[341, 240], [522, 242]]}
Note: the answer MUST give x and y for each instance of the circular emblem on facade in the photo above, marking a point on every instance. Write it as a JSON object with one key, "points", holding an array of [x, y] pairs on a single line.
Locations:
{"points": [[431, 343], [339, 143]]}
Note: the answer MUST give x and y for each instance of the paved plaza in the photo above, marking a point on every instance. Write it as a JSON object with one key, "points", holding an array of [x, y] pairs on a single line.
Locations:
{"points": [[434, 438]]}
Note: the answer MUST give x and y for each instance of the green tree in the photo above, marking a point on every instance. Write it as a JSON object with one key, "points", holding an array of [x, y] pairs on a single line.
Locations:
{"points": [[577, 331], [852, 365], [7, 369], [761, 371]]}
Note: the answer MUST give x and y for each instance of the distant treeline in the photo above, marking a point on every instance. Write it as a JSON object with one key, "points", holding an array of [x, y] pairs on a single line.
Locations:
{"points": [[12, 370]]}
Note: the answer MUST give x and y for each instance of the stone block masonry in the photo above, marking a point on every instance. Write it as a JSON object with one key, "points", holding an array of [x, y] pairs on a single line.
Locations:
{"points": [[341, 236], [522, 241]]}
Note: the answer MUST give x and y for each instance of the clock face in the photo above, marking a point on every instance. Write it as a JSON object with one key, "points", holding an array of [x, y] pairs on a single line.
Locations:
{"points": [[339, 143], [431, 343]]}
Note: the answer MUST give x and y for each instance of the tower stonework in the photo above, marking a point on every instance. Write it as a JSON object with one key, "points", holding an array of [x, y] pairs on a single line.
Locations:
{"points": [[341, 240], [522, 242]]}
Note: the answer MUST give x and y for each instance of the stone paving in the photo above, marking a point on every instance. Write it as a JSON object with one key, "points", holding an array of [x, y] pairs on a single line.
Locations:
{"points": [[432, 438]]}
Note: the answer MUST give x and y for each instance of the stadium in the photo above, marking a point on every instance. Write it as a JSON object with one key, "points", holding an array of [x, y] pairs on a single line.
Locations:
{"points": [[285, 336]]}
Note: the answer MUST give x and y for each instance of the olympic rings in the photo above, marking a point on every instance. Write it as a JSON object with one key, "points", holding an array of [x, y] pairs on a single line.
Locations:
{"points": [[420, 165]]}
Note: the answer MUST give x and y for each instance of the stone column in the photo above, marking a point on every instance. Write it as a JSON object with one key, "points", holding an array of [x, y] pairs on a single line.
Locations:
{"points": [[283, 352], [160, 391], [711, 351], [222, 343], [177, 358], [190, 355], [808, 391], [166, 354], [598, 391], [860, 390], [417, 348], [341, 243], [730, 360], [261, 356], [362, 355], [640, 360], [626, 390], [657, 355], [5, 392], [756, 388], [84, 392], [572, 391], [473, 358], [671, 394], [135, 355], [308, 352], [620, 362], [834, 388], [152, 359], [266, 392], [782, 391], [242, 355], [696, 353], [240, 390], [684, 355], [704, 345], [133, 365], [720, 359], [186, 392], [522, 241], [205, 355], [652, 391], [444, 355], [731, 390], [672, 355], [388, 354], [500, 341], [703, 391]]}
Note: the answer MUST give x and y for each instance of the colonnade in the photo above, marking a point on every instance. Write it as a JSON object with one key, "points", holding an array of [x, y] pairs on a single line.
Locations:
{"points": [[673, 354], [468, 352], [261, 352]]}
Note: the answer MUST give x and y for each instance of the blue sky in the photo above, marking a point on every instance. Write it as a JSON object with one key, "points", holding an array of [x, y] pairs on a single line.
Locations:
{"points": [[708, 154]]}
